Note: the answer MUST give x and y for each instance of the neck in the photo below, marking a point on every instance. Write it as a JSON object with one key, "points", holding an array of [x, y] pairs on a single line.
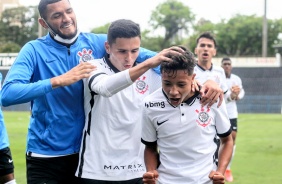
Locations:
{"points": [[205, 64]]}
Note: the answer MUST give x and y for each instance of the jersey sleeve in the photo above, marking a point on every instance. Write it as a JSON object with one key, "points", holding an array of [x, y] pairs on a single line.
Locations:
{"points": [[223, 126], [242, 91], [107, 85], [148, 134]]}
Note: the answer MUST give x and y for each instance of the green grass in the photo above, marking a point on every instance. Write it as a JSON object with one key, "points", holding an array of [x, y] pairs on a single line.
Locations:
{"points": [[258, 157]]}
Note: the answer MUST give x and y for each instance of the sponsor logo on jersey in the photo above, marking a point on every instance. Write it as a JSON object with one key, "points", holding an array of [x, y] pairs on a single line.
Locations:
{"points": [[10, 161], [141, 86], [203, 118], [155, 104], [85, 55], [131, 168]]}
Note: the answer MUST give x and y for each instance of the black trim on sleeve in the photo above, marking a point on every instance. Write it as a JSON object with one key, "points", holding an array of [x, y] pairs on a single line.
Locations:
{"points": [[92, 78], [148, 143], [226, 133]]}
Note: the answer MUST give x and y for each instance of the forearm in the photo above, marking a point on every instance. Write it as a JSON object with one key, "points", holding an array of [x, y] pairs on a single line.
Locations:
{"points": [[225, 153], [151, 157], [138, 70], [17, 93], [108, 85]]}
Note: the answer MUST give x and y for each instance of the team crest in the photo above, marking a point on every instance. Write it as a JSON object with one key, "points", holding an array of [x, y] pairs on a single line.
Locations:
{"points": [[85, 55], [203, 118], [141, 86]]}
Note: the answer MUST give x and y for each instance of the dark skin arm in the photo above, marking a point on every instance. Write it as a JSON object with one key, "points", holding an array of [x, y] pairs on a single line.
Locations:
{"points": [[225, 154], [151, 157]]}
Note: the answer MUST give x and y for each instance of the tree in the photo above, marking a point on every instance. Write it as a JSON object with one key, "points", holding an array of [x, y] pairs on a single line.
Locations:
{"points": [[201, 26], [101, 29], [175, 18], [9, 47], [19, 25]]}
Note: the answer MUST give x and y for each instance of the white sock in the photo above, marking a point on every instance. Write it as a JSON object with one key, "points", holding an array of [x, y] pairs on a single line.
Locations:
{"points": [[11, 182], [233, 153]]}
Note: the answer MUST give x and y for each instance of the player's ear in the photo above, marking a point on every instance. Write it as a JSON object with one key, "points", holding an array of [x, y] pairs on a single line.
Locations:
{"points": [[107, 47], [42, 23]]}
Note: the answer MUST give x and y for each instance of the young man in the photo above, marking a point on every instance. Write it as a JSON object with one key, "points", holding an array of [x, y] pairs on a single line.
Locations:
{"points": [[6, 160], [111, 150], [175, 123], [48, 72], [234, 83], [204, 70]]}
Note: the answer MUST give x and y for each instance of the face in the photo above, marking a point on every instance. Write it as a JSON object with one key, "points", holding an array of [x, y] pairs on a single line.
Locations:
{"points": [[123, 52], [177, 87], [205, 50], [61, 19], [226, 65]]}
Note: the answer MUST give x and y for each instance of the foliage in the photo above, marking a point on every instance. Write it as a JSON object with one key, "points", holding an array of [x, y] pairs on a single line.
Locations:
{"points": [[239, 36], [174, 22], [19, 25], [201, 26], [102, 29], [9, 47], [174, 18]]}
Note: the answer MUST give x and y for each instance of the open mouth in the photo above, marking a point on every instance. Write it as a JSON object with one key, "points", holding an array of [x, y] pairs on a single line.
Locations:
{"points": [[174, 101]]}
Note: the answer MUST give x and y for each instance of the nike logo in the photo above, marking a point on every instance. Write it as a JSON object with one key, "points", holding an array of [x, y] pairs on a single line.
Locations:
{"points": [[10, 161], [159, 123]]}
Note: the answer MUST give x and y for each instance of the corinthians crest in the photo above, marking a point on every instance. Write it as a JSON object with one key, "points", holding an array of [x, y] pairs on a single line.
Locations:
{"points": [[141, 86], [203, 118], [85, 55]]}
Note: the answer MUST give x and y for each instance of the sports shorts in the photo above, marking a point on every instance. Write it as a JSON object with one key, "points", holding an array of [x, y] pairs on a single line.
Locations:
{"points": [[6, 162], [234, 124]]}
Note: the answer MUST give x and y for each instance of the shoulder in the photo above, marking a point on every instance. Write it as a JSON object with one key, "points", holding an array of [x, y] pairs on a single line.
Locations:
{"points": [[155, 96], [218, 69], [93, 36]]}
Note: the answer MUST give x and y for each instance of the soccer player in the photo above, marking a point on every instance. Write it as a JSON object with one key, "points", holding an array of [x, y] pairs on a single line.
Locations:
{"points": [[111, 151], [204, 69], [6, 160], [47, 72], [174, 121], [234, 83]]}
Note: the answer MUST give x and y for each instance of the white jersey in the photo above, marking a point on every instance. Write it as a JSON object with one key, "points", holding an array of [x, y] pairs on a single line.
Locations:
{"points": [[231, 105], [111, 149], [215, 73], [184, 135]]}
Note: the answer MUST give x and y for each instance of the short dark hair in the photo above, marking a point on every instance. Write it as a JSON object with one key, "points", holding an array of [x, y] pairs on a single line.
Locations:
{"points": [[185, 62], [42, 7], [207, 35], [225, 59], [123, 28]]}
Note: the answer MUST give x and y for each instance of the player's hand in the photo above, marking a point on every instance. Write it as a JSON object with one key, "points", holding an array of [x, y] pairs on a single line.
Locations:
{"points": [[217, 177], [77, 73], [164, 55], [211, 93], [235, 90], [150, 177]]}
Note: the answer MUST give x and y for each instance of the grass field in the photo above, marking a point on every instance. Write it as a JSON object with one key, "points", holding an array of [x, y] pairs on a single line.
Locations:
{"points": [[258, 157]]}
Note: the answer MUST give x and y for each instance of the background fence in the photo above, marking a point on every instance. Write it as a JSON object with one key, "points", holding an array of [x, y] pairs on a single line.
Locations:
{"points": [[261, 78]]}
